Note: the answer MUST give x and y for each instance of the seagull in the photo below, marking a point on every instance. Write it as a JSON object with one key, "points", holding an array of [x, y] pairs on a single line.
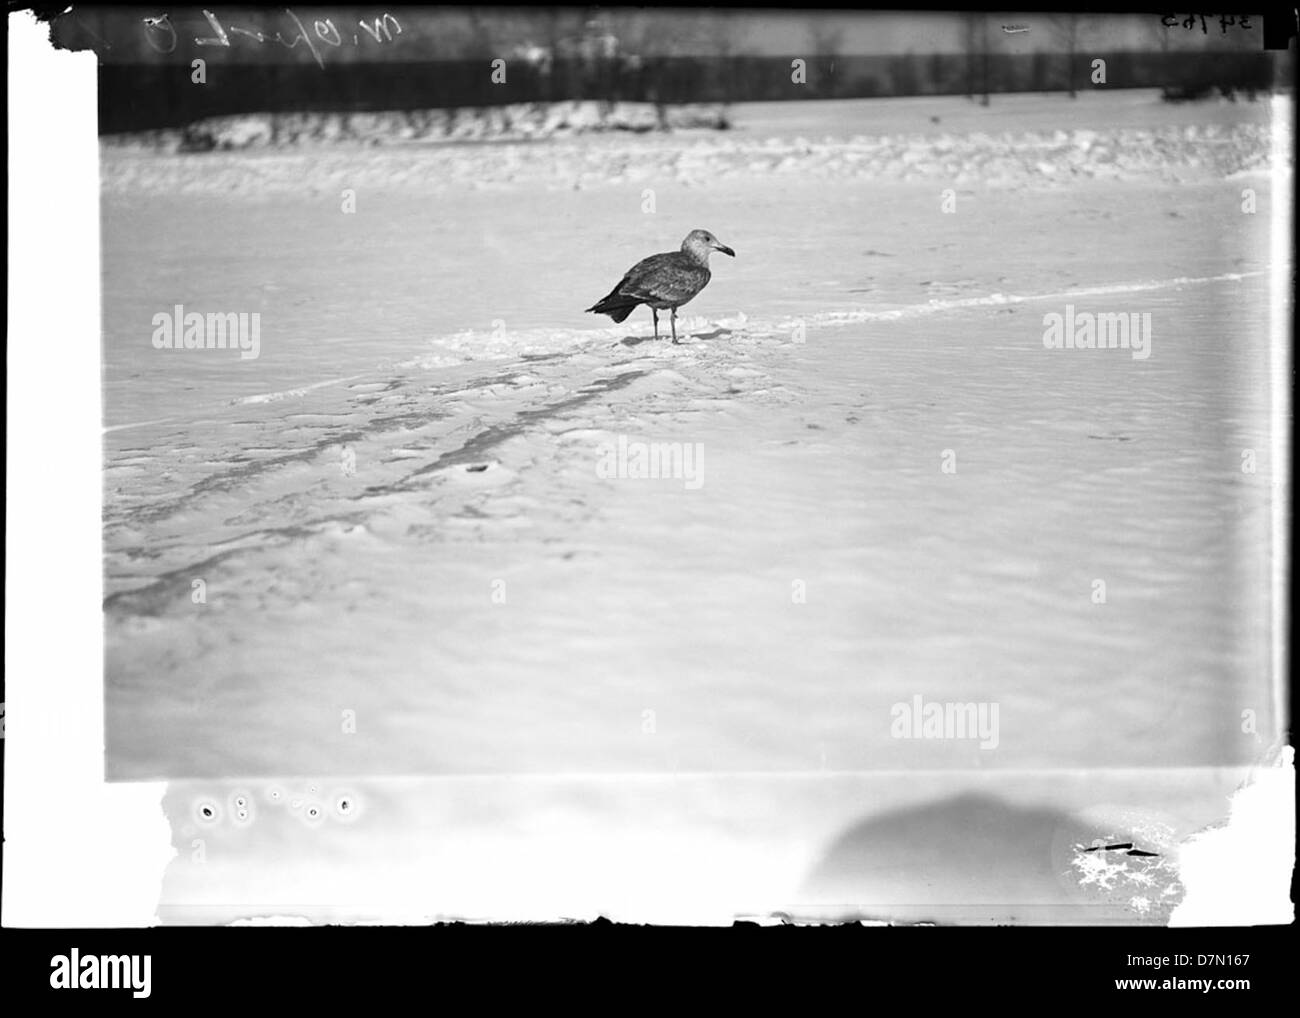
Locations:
{"points": [[664, 280]]}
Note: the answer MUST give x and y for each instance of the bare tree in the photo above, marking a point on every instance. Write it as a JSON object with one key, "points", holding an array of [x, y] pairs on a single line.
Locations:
{"points": [[827, 38], [556, 76], [977, 56], [481, 41], [1066, 27], [649, 41], [727, 35]]}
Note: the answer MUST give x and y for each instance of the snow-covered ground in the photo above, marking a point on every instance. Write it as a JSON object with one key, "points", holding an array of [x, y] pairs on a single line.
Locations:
{"points": [[393, 545]]}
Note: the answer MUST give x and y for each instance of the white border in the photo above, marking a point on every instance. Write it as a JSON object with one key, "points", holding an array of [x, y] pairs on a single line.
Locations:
{"points": [[78, 852]]}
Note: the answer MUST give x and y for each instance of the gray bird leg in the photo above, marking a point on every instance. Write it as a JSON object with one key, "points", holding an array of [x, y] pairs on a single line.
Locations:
{"points": [[674, 324], [655, 312]]}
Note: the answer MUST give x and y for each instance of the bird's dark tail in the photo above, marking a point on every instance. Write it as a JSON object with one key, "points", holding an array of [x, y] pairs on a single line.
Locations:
{"points": [[617, 305]]}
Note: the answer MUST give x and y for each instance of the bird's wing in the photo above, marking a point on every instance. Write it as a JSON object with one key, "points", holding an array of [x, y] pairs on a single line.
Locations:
{"points": [[665, 277]]}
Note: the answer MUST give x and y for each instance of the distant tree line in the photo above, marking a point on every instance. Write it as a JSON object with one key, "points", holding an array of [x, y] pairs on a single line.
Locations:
{"points": [[370, 59], [145, 96]]}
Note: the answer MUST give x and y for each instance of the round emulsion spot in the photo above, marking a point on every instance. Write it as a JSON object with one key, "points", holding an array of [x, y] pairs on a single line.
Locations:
{"points": [[276, 794], [346, 807], [207, 811], [313, 813]]}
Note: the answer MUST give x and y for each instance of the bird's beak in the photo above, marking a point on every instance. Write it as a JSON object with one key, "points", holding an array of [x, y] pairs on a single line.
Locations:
{"points": [[726, 250]]}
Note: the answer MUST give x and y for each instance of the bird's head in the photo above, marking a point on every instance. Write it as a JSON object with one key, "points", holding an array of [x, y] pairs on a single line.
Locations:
{"points": [[701, 242]]}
